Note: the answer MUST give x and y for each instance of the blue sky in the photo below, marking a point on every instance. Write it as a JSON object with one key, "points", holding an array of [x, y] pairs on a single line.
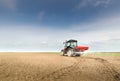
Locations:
{"points": [[42, 25]]}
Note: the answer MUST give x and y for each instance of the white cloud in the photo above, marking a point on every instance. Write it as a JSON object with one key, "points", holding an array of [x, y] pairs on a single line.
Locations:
{"points": [[100, 35], [43, 42], [102, 2], [9, 4], [86, 3], [112, 45]]}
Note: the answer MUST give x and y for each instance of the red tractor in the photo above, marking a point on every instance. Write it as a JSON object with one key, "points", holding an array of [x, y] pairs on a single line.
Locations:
{"points": [[72, 49]]}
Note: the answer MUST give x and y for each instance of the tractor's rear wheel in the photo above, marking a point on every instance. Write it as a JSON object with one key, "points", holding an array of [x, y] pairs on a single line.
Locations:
{"points": [[70, 52]]}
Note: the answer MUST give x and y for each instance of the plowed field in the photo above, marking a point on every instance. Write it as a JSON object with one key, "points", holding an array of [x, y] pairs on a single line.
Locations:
{"points": [[53, 67]]}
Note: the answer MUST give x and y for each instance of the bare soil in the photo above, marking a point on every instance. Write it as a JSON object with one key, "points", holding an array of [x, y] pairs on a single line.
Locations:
{"points": [[53, 67]]}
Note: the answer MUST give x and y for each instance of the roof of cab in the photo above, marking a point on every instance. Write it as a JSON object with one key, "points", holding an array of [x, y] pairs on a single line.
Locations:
{"points": [[72, 40]]}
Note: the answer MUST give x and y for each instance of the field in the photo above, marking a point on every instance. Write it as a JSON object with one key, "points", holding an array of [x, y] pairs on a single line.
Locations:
{"points": [[53, 67]]}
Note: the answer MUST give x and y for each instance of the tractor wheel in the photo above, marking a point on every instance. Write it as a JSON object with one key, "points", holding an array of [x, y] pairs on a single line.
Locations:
{"points": [[62, 53], [70, 52]]}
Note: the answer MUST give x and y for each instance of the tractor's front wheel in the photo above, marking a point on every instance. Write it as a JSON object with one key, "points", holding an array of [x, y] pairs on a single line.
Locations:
{"points": [[70, 52], [62, 53]]}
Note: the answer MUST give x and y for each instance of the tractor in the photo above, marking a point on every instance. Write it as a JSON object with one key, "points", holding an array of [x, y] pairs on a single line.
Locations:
{"points": [[71, 48]]}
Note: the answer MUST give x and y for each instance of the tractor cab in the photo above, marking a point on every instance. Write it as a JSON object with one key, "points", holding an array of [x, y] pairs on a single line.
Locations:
{"points": [[71, 43]]}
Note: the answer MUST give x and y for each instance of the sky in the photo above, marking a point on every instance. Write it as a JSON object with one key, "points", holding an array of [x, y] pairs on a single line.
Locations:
{"points": [[43, 25]]}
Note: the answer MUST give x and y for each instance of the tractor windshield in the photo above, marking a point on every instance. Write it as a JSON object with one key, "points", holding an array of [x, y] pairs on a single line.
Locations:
{"points": [[71, 44]]}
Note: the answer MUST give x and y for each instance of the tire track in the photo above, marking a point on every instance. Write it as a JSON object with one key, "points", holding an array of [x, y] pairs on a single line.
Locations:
{"points": [[109, 68], [60, 73]]}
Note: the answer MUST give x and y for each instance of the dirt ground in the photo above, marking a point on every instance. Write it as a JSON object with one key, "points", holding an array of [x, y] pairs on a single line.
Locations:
{"points": [[53, 67]]}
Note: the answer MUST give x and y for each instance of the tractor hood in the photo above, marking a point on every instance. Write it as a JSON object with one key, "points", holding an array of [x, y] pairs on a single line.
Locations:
{"points": [[81, 48]]}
